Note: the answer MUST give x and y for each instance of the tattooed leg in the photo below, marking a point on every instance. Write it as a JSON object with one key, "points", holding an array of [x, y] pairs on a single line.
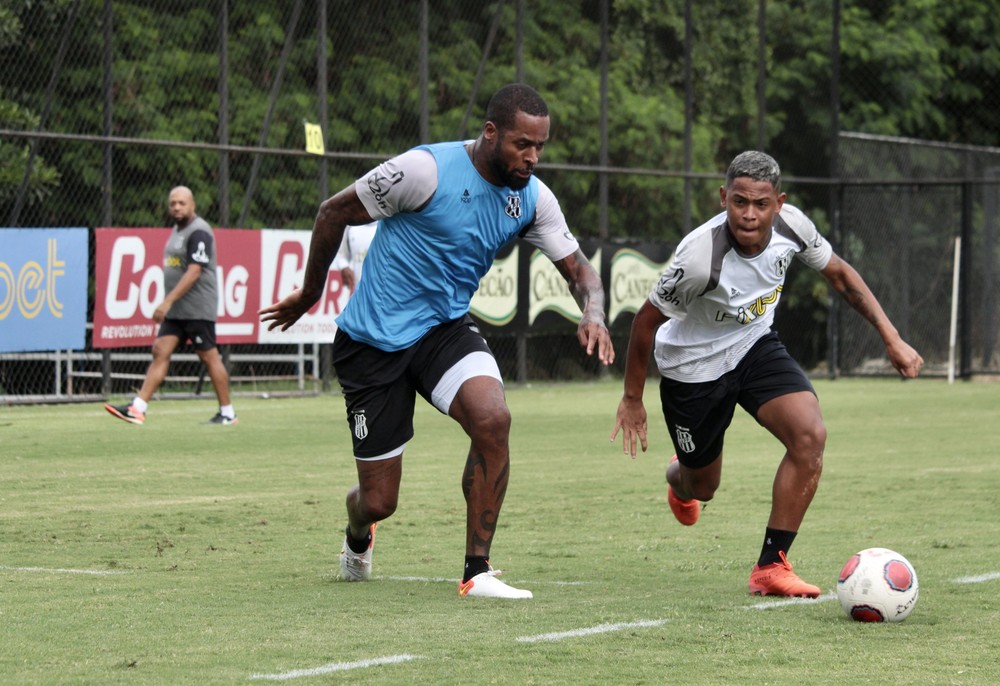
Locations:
{"points": [[482, 411], [484, 494]]}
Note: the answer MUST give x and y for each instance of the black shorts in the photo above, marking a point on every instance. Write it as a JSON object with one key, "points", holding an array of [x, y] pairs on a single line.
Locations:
{"points": [[201, 332], [698, 414], [380, 387]]}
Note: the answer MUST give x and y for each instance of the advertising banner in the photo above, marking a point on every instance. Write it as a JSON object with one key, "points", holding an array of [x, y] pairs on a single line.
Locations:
{"points": [[254, 269], [282, 270], [495, 303], [634, 273], [523, 291], [548, 290], [43, 289]]}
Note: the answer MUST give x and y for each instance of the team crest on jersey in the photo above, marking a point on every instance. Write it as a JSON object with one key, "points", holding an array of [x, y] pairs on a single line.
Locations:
{"points": [[781, 264], [360, 425], [513, 209], [685, 441]]}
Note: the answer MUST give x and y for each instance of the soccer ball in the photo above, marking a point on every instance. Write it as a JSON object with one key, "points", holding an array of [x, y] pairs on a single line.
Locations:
{"points": [[877, 585]]}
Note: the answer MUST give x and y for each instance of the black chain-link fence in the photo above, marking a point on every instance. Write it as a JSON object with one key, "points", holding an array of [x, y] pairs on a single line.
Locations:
{"points": [[107, 104], [902, 219]]}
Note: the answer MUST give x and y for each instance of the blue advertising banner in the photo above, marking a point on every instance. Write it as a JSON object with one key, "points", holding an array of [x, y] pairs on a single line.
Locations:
{"points": [[43, 289]]}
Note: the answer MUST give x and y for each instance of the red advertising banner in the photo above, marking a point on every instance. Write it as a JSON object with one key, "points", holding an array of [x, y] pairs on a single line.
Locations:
{"points": [[254, 269], [282, 269]]}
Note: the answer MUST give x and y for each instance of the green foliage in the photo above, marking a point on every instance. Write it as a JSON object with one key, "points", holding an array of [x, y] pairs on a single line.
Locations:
{"points": [[14, 155], [922, 69], [177, 553], [902, 73], [10, 28]]}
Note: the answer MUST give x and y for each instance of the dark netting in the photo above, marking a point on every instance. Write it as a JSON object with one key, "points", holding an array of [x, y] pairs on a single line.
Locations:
{"points": [[901, 236], [104, 106]]}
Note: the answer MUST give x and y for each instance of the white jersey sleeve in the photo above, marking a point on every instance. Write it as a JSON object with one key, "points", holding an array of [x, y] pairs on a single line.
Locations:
{"points": [[549, 232], [342, 259], [817, 251], [401, 184], [688, 272]]}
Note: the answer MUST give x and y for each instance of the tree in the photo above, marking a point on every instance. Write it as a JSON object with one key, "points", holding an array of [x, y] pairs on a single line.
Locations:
{"points": [[15, 154]]}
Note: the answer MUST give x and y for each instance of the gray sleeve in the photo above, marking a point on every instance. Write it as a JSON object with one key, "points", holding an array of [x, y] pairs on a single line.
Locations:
{"points": [[550, 233], [402, 184]]}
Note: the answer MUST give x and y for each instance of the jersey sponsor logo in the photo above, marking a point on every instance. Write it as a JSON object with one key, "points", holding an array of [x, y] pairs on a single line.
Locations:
{"points": [[200, 255], [666, 287], [513, 209], [380, 185], [360, 425], [746, 314], [685, 441]]}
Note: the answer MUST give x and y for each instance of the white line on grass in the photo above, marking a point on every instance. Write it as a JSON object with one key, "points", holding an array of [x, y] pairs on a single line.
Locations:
{"points": [[601, 629], [335, 667], [976, 579], [442, 579], [44, 570], [767, 605]]}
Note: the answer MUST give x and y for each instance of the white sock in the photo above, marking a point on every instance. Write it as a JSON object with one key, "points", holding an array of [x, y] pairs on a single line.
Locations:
{"points": [[227, 411], [140, 404]]}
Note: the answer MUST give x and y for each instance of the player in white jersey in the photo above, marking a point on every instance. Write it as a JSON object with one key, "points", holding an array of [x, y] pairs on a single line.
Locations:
{"points": [[350, 259], [709, 318], [443, 210]]}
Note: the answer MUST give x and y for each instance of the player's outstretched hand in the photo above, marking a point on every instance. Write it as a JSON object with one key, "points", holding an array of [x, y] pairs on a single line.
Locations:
{"points": [[593, 335], [631, 421], [285, 312], [905, 359]]}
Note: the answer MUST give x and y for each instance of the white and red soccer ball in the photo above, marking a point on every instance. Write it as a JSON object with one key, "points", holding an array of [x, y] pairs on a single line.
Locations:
{"points": [[878, 585]]}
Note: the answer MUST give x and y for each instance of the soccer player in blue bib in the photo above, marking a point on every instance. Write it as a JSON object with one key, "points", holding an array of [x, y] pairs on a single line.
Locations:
{"points": [[708, 323], [443, 212]]}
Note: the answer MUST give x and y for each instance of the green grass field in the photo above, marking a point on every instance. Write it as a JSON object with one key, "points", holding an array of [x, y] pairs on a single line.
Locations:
{"points": [[181, 553]]}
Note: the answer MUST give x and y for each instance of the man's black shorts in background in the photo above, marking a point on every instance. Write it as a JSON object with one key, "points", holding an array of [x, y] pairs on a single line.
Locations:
{"points": [[201, 332]]}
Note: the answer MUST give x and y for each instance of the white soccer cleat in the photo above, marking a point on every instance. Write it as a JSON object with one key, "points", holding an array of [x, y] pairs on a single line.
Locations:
{"points": [[487, 585], [354, 566]]}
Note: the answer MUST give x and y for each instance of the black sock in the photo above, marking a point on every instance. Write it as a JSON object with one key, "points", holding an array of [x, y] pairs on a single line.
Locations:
{"points": [[775, 541], [474, 564], [358, 546]]}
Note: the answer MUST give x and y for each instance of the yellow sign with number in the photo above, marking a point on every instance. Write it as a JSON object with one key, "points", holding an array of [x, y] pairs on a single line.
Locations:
{"points": [[314, 139]]}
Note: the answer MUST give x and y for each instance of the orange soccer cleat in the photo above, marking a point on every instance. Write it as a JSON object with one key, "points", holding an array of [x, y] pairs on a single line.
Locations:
{"points": [[779, 579]]}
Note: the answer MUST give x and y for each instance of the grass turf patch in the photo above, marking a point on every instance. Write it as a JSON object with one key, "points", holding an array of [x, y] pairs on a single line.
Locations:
{"points": [[177, 552]]}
